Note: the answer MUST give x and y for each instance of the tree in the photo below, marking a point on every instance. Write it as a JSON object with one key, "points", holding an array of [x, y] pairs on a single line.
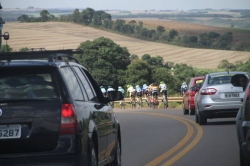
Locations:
{"points": [[118, 25], [160, 29], [134, 57], [76, 16], [146, 57], [138, 73], [97, 18], [23, 18], [225, 41], [224, 64], [172, 33], [183, 72], [6, 48], [87, 15], [105, 60], [24, 49], [163, 74], [44, 15]]}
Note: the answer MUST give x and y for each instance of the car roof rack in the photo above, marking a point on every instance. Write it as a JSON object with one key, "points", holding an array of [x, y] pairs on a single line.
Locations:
{"points": [[51, 55]]}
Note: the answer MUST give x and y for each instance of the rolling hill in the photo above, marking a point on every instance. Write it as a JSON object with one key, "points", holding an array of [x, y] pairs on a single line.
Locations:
{"points": [[58, 35]]}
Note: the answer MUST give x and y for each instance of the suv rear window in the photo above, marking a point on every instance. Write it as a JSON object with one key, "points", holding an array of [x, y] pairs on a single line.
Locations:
{"points": [[17, 84]]}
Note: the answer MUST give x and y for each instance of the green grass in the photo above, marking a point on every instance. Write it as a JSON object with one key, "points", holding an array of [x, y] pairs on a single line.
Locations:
{"points": [[170, 105]]}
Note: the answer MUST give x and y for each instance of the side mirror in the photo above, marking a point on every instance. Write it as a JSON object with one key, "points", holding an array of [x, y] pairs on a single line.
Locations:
{"points": [[115, 95]]}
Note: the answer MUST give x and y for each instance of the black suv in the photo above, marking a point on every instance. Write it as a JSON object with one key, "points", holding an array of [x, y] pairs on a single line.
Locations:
{"points": [[52, 112], [243, 120]]}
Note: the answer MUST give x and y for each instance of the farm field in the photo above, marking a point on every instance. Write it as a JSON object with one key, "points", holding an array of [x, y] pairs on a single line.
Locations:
{"points": [[58, 35], [242, 35]]}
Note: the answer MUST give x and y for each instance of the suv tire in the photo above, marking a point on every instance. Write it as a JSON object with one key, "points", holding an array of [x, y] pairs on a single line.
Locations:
{"points": [[117, 161]]}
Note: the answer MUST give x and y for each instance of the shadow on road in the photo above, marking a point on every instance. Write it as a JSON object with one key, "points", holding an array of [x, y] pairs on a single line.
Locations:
{"points": [[221, 123]]}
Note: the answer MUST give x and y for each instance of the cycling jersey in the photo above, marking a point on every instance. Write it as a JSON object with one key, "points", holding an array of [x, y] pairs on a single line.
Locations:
{"points": [[162, 87], [103, 90], [121, 90], [110, 89], [131, 90]]}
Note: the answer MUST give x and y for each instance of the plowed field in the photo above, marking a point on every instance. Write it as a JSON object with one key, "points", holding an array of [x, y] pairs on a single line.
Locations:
{"points": [[57, 35]]}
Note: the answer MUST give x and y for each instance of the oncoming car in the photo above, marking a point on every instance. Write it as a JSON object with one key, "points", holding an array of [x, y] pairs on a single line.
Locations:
{"points": [[188, 98], [218, 98], [52, 112]]}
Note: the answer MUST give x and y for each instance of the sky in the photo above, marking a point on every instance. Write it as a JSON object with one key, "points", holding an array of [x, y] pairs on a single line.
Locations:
{"points": [[129, 4]]}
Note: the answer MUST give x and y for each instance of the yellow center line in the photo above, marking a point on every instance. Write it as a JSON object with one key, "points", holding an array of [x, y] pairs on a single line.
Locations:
{"points": [[181, 143]]}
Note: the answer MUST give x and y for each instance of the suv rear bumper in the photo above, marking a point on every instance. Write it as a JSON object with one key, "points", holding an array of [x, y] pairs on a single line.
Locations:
{"points": [[52, 160]]}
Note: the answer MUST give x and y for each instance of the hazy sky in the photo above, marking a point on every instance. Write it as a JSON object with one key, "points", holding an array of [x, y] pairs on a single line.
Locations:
{"points": [[130, 4]]}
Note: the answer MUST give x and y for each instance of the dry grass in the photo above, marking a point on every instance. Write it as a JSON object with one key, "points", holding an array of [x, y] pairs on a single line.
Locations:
{"points": [[55, 35]]}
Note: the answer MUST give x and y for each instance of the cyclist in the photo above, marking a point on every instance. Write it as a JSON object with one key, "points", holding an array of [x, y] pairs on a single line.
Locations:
{"points": [[163, 89], [123, 92], [183, 88], [110, 88], [154, 90], [138, 91], [104, 92], [145, 90], [130, 91]]}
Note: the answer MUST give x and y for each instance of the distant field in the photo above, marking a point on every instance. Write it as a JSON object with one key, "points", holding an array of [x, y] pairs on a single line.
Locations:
{"points": [[57, 35], [196, 29]]}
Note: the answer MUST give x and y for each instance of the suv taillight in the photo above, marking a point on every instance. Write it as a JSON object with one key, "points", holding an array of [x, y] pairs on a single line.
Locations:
{"points": [[248, 95], [208, 91], [68, 120]]}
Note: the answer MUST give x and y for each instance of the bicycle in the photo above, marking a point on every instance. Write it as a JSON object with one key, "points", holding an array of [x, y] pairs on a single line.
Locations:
{"points": [[154, 102], [111, 104], [139, 102], [133, 102], [148, 101], [122, 104], [164, 101]]}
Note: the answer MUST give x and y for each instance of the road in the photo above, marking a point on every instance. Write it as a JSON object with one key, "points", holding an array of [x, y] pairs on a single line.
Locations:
{"points": [[167, 137]]}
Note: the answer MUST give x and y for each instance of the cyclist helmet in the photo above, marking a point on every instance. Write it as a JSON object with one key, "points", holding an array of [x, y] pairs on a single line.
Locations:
{"points": [[137, 86], [101, 86], [144, 85], [119, 87], [109, 86], [162, 82], [128, 86]]}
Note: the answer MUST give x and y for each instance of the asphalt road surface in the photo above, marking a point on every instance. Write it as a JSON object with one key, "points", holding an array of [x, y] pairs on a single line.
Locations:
{"points": [[167, 137]]}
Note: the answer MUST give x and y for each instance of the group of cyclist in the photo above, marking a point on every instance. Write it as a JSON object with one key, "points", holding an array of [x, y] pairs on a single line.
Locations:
{"points": [[151, 90]]}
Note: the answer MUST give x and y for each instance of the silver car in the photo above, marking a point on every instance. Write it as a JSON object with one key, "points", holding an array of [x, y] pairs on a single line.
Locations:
{"points": [[218, 98]]}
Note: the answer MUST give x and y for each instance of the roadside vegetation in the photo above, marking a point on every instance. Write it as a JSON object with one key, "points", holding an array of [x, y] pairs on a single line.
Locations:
{"points": [[111, 64]]}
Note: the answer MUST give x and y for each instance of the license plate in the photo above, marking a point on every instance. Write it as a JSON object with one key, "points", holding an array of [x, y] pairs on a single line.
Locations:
{"points": [[10, 131], [228, 95]]}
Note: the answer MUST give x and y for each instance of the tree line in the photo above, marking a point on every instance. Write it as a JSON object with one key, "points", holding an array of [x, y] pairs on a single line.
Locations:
{"points": [[103, 20], [111, 64]]}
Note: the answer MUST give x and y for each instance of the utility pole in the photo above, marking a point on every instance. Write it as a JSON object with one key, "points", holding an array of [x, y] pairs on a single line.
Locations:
{"points": [[1, 27], [6, 35]]}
